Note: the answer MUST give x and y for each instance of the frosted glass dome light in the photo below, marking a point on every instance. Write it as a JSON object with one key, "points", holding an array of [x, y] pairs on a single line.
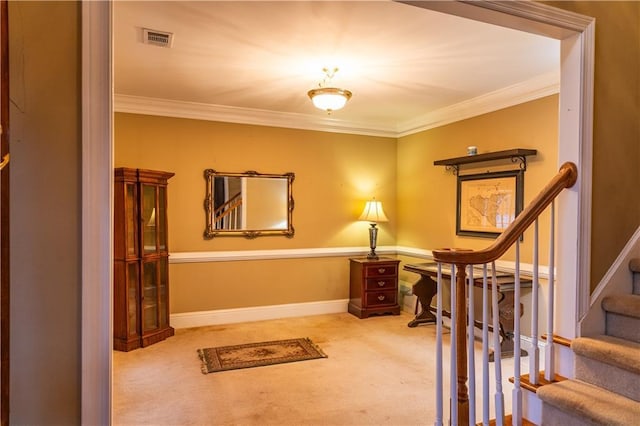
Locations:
{"points": [[329, 98]]}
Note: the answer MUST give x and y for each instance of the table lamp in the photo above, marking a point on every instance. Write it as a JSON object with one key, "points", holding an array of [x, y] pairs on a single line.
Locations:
{"points": [[373, 213]]}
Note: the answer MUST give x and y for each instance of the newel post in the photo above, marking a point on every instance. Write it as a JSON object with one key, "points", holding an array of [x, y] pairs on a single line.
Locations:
{"points": [[461, 344]]}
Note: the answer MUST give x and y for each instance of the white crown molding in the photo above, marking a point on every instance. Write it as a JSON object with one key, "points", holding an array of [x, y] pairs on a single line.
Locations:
{"points": [[534, 11], [535, 88], [538, 87], [228, 114]]}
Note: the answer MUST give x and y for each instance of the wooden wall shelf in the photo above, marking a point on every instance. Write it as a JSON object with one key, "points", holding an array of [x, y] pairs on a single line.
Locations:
{"points": [[517, 155]]}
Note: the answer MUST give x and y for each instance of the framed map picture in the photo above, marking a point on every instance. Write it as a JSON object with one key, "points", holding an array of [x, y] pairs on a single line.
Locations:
{"points": [[487, 203]]}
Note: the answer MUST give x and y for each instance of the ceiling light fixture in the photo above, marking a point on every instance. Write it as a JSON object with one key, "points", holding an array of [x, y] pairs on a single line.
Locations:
{"points": [[329, 99]]}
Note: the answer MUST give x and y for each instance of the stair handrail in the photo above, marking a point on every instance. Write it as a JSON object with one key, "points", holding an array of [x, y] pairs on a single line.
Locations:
{"points": [[226, 215], [462, 409], [565, 178], [230, 210], [230, 204]]}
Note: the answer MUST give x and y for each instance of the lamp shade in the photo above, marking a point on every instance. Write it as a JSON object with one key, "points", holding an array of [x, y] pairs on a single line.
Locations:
{"points": [[329, 98], [373, 212]]}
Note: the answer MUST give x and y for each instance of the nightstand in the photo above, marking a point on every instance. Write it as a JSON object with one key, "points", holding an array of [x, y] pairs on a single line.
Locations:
{"points": [[373, 287]]}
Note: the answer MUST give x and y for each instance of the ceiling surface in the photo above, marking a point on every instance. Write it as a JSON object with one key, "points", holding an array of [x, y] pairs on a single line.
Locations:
{"points": [[404, 65]]}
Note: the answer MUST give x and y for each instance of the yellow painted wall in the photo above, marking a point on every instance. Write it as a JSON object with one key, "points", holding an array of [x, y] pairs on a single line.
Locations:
{"points": [[225, 285], [427, 193], [334, 175], [616, 130], [45, 213], [44, 137], [615, 154]]}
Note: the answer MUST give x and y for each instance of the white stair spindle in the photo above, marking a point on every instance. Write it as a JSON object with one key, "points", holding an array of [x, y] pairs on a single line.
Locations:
{"points": [[471, 353], [454, 353], [534, 353], [549, 357], [485, 347], [439, 379], [516, 394], [497, 359]]}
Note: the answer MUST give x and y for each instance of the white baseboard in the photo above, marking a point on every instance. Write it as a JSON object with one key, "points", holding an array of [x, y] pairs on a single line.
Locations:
{"points": [[258, 313]]}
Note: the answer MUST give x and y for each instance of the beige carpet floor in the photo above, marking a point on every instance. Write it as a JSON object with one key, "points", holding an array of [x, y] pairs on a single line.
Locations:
{"points": [[378, 372]]}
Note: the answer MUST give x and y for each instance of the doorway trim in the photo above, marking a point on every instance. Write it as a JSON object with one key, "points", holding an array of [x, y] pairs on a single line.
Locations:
{"points": [[576, 33], [97, 213], [575, 134]]}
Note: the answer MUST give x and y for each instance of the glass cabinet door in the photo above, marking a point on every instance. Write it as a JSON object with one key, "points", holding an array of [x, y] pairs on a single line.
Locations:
{"points": [[131, 217], [132, 279], [163, 289], [162, 219], [149, 219], [150, 308]]}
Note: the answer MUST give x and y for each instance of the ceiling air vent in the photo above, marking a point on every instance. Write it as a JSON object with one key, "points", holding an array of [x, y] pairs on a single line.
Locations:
{"points": [[157, 38]]}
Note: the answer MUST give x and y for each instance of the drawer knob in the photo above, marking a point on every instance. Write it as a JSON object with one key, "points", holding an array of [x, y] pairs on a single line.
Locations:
{"points": [[381, 283], [381, 297], [381, 270]]}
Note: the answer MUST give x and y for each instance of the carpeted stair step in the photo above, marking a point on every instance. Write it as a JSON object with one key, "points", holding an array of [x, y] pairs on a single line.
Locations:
{"points": [[576, 403], [634, 266], [610, 363], [623, 316]]}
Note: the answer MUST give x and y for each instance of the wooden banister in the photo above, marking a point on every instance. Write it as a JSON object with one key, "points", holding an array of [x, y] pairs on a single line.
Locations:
{"points": [[565, 178], [230, 204], [230, 209]]}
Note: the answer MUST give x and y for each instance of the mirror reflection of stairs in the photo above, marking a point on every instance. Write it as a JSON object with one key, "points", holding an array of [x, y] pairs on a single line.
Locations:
{"points": [[228, 215]]}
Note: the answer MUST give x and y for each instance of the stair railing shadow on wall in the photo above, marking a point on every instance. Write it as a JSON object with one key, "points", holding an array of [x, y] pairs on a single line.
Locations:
{"points": [[463, 398]]}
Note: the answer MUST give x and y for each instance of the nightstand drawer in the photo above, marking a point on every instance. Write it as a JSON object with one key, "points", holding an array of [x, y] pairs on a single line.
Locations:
{"points": [[381, 270], [380, 284], [378, 298]]}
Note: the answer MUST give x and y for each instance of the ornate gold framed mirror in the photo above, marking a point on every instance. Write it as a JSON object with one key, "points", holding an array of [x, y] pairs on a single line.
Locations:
{"points": [[248, 204]]}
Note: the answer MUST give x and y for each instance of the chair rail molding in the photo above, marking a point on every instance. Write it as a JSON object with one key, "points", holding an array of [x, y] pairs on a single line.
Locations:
{"points": [[301, 253]]}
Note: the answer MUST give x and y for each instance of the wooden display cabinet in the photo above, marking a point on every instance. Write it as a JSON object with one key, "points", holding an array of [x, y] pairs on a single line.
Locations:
{"points": [[141, 259]]}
